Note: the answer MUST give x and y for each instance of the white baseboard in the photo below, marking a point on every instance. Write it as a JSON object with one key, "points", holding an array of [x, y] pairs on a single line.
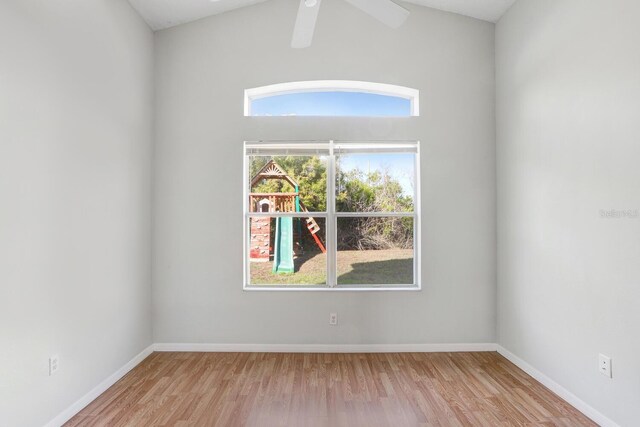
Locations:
{"points": [[326, 348], [81, 403], [565, 394]]}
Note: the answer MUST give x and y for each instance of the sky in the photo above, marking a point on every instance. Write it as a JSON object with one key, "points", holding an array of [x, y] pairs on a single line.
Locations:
{"points": [[400, 166], [331, 104]]}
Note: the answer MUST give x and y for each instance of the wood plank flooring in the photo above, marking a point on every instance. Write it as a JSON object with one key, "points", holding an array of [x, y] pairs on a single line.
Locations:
{"points": [[268, 389]]}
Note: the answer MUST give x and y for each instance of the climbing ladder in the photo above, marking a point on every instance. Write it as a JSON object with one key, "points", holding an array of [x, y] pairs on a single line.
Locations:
{"points": [[313, 228]]}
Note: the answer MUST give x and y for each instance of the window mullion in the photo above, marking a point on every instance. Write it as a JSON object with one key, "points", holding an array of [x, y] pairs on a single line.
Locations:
{"points": [[374, 214], [331, 235]]}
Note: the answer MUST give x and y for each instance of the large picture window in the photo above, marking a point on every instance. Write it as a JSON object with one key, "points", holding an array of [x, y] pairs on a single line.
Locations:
{"points": [[332, 215]]}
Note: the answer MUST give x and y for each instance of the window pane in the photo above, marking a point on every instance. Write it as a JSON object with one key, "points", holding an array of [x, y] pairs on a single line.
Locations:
{"points": [[287, 251], [375, 251], [332, 104], [287, 183], [375, 182]]}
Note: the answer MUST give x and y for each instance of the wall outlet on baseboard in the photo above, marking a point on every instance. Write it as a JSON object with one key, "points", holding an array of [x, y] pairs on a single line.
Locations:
{"points": [[54, 364], [604, 365], [333, 318]]}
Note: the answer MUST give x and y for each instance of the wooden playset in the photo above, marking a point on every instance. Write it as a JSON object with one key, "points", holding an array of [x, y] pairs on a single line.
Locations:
{"points": [[282, 250]]}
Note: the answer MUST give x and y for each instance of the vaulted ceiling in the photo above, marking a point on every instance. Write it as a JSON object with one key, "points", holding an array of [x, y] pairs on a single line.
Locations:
{"points": [[161, 14]]}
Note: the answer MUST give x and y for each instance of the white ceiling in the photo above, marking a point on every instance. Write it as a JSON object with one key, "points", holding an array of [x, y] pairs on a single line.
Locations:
{"points": [[487, 10], [161, 14]]}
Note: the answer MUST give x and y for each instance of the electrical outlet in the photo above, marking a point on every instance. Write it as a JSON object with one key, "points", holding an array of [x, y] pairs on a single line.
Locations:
{"points": [[604, 365], [54, 364], [333, 318]]}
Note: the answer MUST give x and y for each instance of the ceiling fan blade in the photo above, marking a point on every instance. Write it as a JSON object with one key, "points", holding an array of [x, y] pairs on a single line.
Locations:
{"points": [[305, 24], [385, 11]]}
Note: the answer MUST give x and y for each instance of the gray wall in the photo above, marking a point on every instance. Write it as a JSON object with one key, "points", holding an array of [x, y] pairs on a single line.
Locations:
{"points": [[568, 95], [202, 69], [76, 104]]}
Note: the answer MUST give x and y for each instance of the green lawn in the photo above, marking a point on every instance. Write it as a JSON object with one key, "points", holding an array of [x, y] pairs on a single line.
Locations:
{"points": [[373, 267]]}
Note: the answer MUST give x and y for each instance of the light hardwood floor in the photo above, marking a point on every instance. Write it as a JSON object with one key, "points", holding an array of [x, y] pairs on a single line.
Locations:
{"points": [[268, 389]]}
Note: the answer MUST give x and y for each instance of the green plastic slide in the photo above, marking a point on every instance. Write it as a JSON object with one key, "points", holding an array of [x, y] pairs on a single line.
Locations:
{"points": [[283, 250]]}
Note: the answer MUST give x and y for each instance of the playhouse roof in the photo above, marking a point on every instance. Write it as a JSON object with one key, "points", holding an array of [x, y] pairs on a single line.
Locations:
{"points": [[272, 170]]}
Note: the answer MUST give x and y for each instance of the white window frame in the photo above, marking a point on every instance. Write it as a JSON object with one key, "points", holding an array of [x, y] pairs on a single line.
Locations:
{"points": [[413, 95], [331, 216]]}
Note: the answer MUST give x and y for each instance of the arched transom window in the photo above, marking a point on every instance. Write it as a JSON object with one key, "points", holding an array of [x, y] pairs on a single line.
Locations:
{"points": [[335, 98]]}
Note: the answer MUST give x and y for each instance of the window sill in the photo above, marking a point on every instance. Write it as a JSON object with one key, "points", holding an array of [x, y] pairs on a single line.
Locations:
{"points": [[343, 288]]}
